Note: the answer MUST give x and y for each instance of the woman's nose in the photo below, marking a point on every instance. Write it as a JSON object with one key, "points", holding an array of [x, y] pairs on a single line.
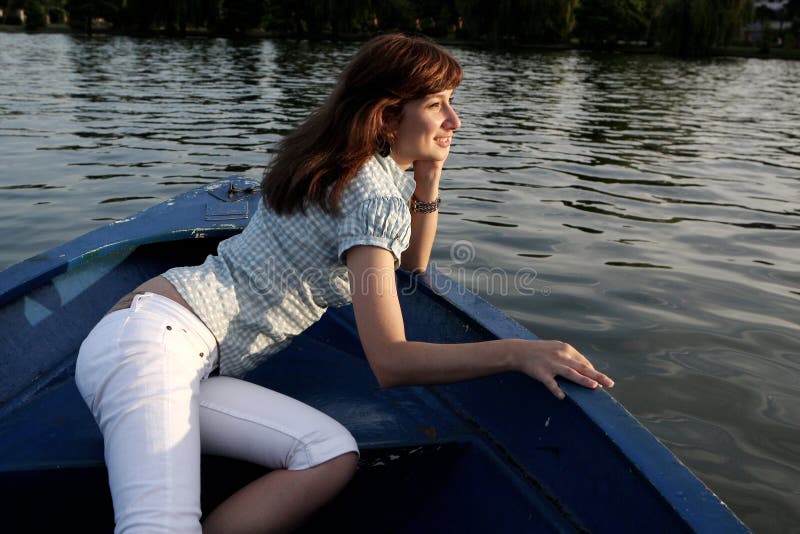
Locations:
{"points": [[453, 122]]}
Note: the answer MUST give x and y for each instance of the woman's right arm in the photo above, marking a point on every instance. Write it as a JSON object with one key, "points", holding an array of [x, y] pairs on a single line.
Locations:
{"points": [[397, 361]]}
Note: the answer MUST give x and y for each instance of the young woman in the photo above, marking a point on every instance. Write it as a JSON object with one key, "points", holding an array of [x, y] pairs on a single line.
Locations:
{"points": [[339, 215]]}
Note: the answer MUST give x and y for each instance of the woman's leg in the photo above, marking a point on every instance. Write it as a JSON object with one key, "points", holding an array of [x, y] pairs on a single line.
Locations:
{"points": [[139, 371], [281, 500], [312, 456]]}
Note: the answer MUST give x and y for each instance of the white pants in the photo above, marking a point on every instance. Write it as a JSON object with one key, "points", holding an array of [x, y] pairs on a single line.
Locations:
{"points": [[144, 373]]}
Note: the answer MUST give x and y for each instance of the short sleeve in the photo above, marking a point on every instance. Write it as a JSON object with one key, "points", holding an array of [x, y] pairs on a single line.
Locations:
{"points": [[381, 222]]}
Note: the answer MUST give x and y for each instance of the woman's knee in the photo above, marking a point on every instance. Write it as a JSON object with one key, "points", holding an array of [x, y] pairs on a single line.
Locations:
{"points": [[341, 468], [347, 463], [328, 442], [242, 420]]}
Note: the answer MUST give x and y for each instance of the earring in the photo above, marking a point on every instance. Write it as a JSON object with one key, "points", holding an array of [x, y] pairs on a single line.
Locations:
{"points": [[383, 147]]}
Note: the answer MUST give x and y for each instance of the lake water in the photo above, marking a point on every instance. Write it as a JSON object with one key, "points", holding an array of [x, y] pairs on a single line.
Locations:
{"points": [[656, 200]]}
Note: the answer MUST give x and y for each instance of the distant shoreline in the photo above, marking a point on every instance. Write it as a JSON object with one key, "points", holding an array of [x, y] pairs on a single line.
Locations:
{"points": [[731, 51]]}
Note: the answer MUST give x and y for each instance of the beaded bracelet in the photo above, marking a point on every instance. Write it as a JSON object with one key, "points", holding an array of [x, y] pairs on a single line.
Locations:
{"points": [[418, 206]]}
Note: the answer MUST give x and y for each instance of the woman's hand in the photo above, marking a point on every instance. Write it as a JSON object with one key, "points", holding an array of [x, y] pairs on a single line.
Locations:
{"points": [[427, 174], [545, 360]]}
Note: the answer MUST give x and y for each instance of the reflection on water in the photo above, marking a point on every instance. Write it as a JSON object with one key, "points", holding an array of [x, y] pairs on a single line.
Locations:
{"points": [[656, 201]]}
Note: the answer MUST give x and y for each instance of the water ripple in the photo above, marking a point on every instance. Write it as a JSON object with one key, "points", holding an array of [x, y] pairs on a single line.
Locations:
{"points": [[656, 200]]}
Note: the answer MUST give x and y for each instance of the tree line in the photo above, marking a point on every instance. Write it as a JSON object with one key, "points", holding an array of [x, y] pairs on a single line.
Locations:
{"points": [[683, 27]]}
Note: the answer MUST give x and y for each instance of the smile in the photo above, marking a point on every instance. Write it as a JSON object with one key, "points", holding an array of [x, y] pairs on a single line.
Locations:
{"points": [[442, 141]]}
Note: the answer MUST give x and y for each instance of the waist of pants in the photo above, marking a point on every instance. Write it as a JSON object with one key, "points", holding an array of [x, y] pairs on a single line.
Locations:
{"points": [[154, 303]]}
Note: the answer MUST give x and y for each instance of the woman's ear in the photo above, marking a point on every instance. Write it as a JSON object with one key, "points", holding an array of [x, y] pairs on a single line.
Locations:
{"points": [[385, 142], [391, 117], [386, 138], [390, 121]]}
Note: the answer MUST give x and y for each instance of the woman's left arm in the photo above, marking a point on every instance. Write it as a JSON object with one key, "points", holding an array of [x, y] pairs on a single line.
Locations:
{"points": [[399, 362], [423, 225]]}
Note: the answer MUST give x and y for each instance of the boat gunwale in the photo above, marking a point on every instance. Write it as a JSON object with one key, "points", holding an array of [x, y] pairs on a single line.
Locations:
{"points": [[691, 500]]}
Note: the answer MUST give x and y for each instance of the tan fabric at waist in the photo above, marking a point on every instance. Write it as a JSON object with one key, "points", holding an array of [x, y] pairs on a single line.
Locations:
{"points": [[158, 285]]}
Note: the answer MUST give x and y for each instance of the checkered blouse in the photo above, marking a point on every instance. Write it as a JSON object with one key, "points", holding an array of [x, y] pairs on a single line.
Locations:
{"points": [[276, 278]]}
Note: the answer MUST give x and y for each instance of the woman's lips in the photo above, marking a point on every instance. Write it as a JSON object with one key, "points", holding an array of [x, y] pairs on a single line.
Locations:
{"points": [[443, 142]]}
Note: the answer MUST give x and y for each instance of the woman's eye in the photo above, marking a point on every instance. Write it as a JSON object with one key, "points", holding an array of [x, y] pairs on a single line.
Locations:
{"points": [[435, 105]]}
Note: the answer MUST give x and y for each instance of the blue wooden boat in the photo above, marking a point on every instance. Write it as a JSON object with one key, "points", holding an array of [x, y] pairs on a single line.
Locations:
{"points": [[498, 454]]}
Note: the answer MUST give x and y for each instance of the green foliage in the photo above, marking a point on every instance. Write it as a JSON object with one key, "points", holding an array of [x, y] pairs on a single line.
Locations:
{"points": [[83, 12], [686, 27], [238, 16], [305, 18], [793, 12], [173, 17], [652, 15], [138, 15], [11, 17], [57, 15], [314, 19], [35, 16], [692, 28], [350, 17], [521, 21], [603, 23]]}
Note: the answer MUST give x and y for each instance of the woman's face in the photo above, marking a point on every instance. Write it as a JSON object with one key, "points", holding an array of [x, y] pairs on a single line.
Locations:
{"points": [[425, 130]]}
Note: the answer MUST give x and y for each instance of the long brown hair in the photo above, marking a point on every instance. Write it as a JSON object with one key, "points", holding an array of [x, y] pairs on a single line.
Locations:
{"points": [[314, 163]]}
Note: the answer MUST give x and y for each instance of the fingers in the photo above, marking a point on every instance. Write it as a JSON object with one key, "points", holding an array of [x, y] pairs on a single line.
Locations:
{"points": [[588, 376], [573, 375], [546, 360], [561, 359], [581, 370], [552, 385], [428, 168], [604, 380]]}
